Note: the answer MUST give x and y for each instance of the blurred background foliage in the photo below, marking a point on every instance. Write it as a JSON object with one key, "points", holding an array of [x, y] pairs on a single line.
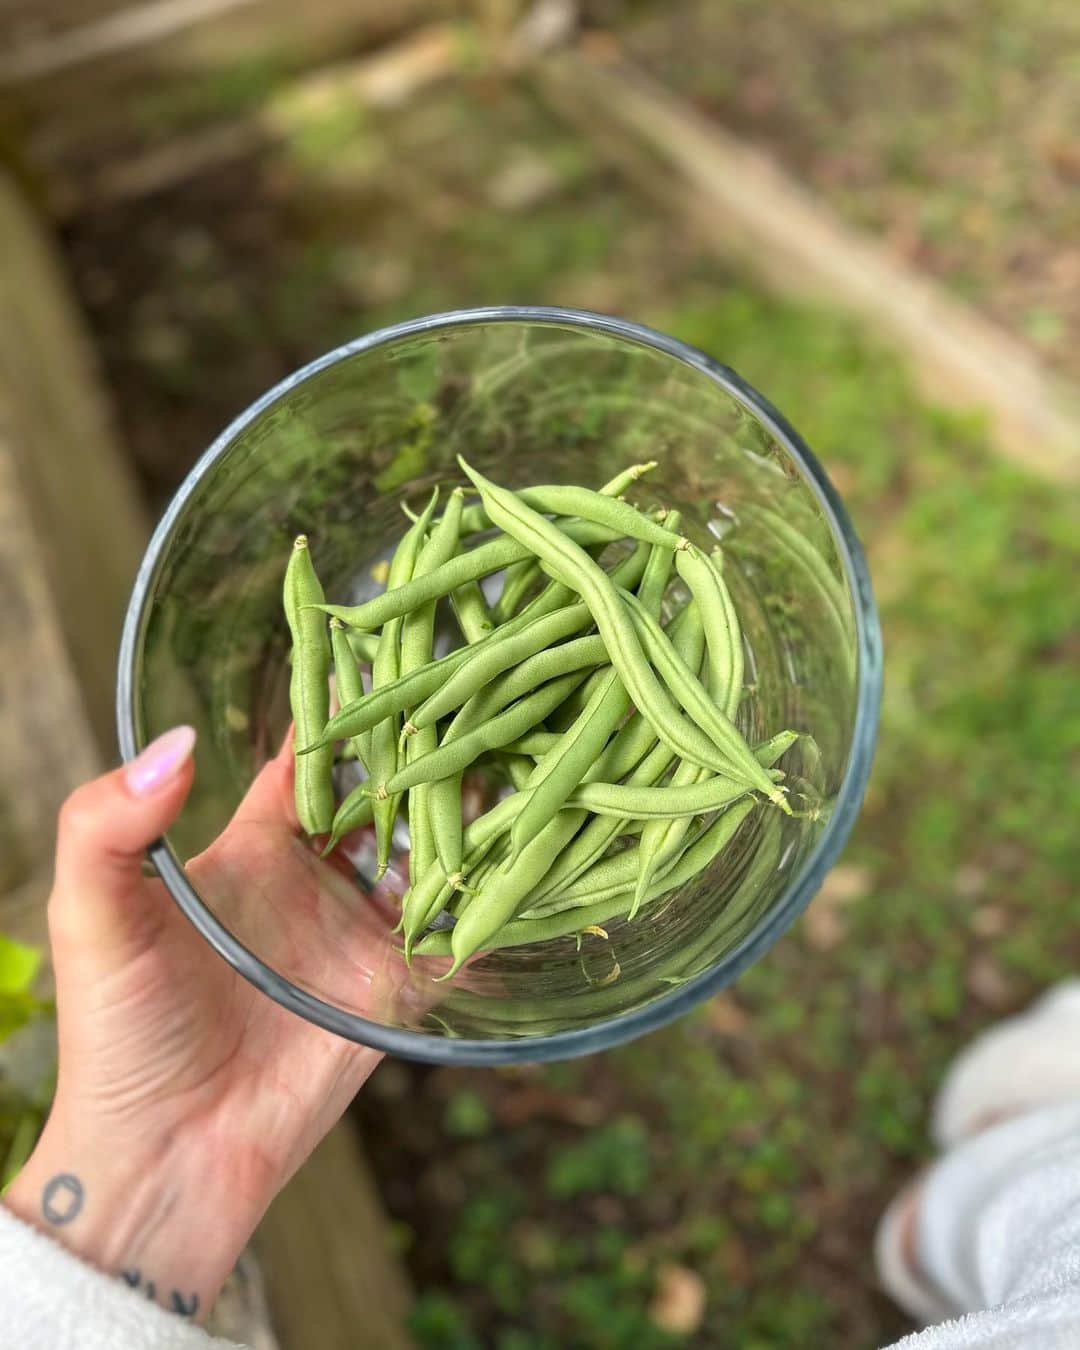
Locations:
{"points": [[717, 1184]]}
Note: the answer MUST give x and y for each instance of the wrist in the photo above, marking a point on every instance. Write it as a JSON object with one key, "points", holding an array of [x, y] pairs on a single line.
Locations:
{"points": [[157, 1219]]}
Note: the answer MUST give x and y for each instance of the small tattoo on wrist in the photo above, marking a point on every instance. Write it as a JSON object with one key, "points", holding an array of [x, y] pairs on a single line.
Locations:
{"points": [[62, 1198], [183, 1307]]}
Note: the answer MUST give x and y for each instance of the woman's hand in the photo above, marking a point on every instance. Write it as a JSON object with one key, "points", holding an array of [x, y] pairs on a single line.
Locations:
{"points": [[186, 1098]]}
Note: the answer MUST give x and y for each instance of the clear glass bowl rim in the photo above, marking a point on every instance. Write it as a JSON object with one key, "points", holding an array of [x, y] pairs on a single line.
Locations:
{"points": [[429, 1047]]}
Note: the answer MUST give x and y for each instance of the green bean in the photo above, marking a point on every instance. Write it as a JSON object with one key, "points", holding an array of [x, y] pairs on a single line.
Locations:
{"points": [[517, 768], [374, 707], [724, 681], [582, 656], [538, 636], [363, 645], [658, 803], [637, 738], [534, 743], [356, 811], [567, 713], [418, 685], [506, 888], [386, 668], [471, 611], [635, 751], [521, 932], [428, 894], [559, 772], [726, 661], [520, 577], [604, 707], [660, 836], [350, 686], [455, 755], [474, 519], [413, 688], [563, 767], [518, 581], [442, 800], [566, 500], [628, 571], [701, 948], [608, 876], [569, 564], [688, 690], [657, 574], [469, 566], [481, 869], [417, 636], [768, 752], [309, 688], [601, 831], [616, 486]]}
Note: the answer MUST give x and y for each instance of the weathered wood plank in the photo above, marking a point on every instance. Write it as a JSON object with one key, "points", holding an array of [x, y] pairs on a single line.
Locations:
{"points": [[122, 30], [75, 531], [330, 1279], [70, 537], [747, 209], [60, 39]]}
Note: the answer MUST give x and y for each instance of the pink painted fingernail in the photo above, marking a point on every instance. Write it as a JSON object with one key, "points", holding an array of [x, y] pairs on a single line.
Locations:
{"points": [[153, 767]]}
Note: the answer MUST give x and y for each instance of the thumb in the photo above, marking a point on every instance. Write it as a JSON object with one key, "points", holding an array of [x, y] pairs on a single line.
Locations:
{"points": [[100, 898]]}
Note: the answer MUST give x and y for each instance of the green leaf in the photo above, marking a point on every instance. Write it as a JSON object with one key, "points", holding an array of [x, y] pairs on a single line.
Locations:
{"points": [[19, 966]]}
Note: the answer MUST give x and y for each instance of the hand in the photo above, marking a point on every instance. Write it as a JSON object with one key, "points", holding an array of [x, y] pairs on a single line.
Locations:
{"points": [[185, 1097]]}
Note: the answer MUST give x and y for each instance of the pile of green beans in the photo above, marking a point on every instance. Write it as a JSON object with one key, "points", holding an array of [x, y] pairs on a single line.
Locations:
{"points": [[600, 690]]}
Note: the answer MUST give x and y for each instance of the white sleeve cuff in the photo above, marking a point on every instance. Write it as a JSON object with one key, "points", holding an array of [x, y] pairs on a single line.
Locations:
{"points": [[50, 1300]]}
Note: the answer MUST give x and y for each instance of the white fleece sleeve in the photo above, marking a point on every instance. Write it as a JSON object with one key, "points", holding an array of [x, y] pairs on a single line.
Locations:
{"points": [[999, 1230], [50, 1300]]}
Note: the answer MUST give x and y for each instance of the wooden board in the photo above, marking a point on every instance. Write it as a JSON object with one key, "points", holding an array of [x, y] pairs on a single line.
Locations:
{"points": [[748, 210], [331, 1280], [71, 535], [80, 525]]}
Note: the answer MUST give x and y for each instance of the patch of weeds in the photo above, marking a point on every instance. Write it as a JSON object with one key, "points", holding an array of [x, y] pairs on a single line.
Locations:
{"points": [[467, 1115], [614, 1157]]}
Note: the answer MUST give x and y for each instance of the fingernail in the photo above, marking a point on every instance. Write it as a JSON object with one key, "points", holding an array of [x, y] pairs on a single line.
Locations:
{"points": [[153, 767]]}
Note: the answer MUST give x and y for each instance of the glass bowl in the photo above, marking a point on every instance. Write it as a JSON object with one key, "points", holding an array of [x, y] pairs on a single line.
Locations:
{"points": [[529, 395]]}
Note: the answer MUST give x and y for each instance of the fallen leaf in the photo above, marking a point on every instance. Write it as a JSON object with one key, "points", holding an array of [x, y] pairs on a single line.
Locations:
{"points": [[990, 921], [724, 1015], [678, 1305], [846, 882], [824, 923], [523, 183], [528, 1103], [988, 983], [970, 881]]}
